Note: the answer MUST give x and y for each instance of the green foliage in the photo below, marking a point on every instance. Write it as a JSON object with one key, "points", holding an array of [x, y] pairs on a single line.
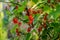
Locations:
{"points": [[25, 19], [44, 35], [36, 18], [28, 36], [52, 29], [35, 1], [13, 30]]}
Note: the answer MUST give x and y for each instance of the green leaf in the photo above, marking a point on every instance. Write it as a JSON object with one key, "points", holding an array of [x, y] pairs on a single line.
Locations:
{"points": [[55, 36], [24, 3], [37, 25], [52, 1], [14, 28], [45, 1], [47, 9], [8, 12], [35, 36], [44, 35], [20, 9], [55, 25], [16, 38], [56, 11], [49, 29], [35, 1], [36, 18], [25, 19], [14, 11], [28, 36], [34, 31], [12, 0]]}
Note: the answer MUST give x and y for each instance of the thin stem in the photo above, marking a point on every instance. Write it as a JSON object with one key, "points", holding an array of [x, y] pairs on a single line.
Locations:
{"points": [[49, 35]]}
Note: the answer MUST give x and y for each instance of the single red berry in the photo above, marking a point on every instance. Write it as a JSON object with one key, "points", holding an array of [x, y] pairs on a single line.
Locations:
{"points": [[16, 7], [27, 14], [15, 20], [58, 0], [46, 14], [40, 29], [44, 25], [30, 22], [19, 23], [45, 17], [39, 39], [31, 19], [17, 30], [40, 11], [29, 10], [48, 1], [18, 34], [34, 12], [29, 29]]}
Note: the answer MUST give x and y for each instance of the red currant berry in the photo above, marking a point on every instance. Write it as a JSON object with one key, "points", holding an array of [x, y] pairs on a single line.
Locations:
{"points": [[44, 25], [16, 30], [29, 29], [19, 23], [18, 34], [40, 29], [27, 14], [30, 22], [34, 12], [16, 7], [15, 20], [48, 1], [31, 17], [39, 11], [46, 14], [29, 10], [45, 17]]}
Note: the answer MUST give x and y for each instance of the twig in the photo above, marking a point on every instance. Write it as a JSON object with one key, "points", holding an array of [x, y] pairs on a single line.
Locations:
{"points": [[35, 5]]}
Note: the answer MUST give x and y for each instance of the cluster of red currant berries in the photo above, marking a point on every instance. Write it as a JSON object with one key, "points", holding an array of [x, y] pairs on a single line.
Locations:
{"points": [[17, 32], [15, 21]]}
